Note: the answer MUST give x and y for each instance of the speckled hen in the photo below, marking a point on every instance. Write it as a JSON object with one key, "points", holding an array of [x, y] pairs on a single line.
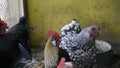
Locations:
{"points": [[80, 44]]}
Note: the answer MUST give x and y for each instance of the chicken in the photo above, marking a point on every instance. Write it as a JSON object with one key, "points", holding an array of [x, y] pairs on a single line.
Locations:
{"points": [[52, 52], [9, 49], [20, 32], [80, 44]]}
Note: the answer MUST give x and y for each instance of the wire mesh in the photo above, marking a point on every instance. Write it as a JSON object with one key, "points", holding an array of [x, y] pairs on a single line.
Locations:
{"points": [[11, 11]]}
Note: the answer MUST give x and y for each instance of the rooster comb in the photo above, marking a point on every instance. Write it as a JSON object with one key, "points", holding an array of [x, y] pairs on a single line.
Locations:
{"points": [[3, 23], [53, 33]]}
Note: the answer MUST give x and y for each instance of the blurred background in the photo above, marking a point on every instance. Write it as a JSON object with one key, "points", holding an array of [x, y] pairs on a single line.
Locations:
{"points": [[44, 15]]}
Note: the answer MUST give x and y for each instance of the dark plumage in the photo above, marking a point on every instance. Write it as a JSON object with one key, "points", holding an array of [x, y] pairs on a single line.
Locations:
{"points": [[63, 53], [9, 50], [20, 32]]}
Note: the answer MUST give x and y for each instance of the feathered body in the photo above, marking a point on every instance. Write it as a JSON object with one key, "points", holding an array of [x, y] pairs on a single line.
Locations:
{"points": [[81, 45], [67, 33], [52, 53], [9, 50]]}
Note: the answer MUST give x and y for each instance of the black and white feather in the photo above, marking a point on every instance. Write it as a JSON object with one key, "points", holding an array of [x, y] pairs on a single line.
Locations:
{"points": [[70, 29], [79, 44], [67, 33]]}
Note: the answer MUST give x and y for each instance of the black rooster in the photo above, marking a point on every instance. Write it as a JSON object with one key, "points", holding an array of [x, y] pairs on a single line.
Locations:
{"points": [[9, 49]]}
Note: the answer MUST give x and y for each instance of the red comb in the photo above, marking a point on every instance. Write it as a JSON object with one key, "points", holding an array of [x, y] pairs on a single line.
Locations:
{"points": [[3, 23], [53, 33], [61, 63]]}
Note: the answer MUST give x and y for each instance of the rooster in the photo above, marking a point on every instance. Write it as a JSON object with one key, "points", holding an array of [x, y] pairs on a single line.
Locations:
{"points": [[20, 32], [80, 44], [52, 52], [9, 49]]}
